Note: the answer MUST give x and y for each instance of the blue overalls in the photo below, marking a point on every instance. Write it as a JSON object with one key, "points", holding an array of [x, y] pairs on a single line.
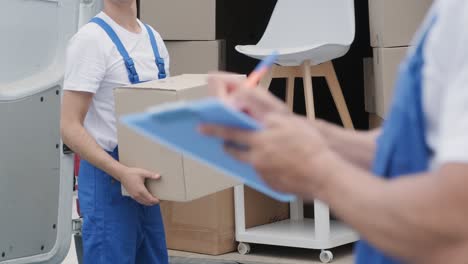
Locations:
{"points": [[402, 147], [117, 229]]}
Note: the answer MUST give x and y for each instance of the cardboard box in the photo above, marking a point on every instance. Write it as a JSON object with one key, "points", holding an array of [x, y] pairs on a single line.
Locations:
{"points": [[185, 20], [386, 66], [204, 226], [394, 22], [196, 56], [375, 121], [183, 179], [261, 209], [207, 225], [369, 85]]}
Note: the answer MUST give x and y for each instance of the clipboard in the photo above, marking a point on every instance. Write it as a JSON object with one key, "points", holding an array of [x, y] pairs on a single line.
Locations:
{"points": [[175, 126]]}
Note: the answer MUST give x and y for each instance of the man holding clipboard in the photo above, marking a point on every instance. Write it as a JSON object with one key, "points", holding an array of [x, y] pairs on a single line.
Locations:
{"points": [[402, 187]]}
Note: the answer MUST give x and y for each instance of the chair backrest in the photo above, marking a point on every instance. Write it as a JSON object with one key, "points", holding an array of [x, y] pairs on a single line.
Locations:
{"points": [[307, 22]]}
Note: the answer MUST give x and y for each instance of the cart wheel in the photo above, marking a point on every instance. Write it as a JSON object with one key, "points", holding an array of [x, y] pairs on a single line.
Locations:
{"points": [[243, 248], [326, 256]]}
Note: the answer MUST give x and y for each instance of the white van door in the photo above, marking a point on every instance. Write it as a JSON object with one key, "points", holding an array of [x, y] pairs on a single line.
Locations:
{"points": [[88, 9], [36, 176]]}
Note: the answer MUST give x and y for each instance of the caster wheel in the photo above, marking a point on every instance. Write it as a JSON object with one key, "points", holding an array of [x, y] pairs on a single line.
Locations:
{"points": [[326, 256], [243, 248]]}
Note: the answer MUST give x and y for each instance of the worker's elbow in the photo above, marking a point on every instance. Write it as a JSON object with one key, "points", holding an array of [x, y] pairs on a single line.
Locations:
{"points": [[67, 125], [63, 128]]}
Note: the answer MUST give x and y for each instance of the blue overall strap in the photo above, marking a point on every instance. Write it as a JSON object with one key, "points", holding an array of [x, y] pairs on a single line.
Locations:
{"points": [[402, 149], [129, 64], [159, 61]]}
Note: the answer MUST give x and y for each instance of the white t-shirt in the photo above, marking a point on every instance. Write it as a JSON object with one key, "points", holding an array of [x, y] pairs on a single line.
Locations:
{"points": [[94, 65], [445, 83]]}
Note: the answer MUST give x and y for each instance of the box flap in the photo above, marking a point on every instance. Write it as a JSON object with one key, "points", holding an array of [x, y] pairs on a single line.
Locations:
{"points": [[177, 83]]}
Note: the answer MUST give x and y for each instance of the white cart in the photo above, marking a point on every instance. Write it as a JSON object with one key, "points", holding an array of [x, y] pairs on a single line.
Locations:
{"points": [[319, 233]]}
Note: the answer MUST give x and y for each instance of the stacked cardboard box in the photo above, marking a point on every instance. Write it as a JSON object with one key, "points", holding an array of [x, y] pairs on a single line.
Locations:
{"points": [[192, 30], [207, 225], [196, 56], [194, 34], [185, 20], [392, 26]]}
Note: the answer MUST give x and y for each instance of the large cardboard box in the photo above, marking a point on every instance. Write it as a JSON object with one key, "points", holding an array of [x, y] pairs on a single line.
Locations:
{"points": [[196, 56], [386, 66], [185, 20], [183, 179], [207, 225], [204, 226], [394, 22]]}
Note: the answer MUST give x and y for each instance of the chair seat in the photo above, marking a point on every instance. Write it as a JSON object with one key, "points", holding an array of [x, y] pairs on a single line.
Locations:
{"points": [[295, 56]]}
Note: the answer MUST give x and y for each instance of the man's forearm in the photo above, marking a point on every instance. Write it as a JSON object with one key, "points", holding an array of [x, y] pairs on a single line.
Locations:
{"points": [[409, 217], [354, 146], [79, 140]]}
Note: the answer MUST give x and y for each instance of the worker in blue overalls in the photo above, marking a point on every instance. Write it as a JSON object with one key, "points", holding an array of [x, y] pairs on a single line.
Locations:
{"points": [[115, 49], [415, 210]]}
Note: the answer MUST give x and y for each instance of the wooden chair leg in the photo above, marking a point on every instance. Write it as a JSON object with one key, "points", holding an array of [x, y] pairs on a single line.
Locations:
{"points": [[308, 92], [337, 94], [266, 80], [290, 92]]}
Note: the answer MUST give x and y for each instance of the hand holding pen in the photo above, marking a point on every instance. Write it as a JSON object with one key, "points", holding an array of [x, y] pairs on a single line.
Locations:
{"points": [[240, 93]]}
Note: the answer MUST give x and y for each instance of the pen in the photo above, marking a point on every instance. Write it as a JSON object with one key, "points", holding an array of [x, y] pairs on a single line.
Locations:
{"points": [[252, 82], [261, 69]]}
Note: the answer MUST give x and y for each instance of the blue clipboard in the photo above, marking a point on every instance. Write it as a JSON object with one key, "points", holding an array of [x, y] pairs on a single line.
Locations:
{"points": [[176, 126]]}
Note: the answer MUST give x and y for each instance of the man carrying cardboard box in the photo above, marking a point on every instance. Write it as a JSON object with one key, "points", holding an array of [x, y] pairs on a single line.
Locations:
{"points": [[115, 49], [405, 193]]}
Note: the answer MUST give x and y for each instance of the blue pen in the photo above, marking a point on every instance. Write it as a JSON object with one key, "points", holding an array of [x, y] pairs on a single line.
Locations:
{"points": [[261, 69]]}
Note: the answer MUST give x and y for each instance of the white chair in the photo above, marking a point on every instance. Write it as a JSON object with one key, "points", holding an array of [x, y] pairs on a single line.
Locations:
{"points": [[308, 35]]}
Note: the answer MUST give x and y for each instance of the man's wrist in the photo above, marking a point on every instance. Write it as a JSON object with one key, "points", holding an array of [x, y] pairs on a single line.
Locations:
{"points": [[325, 129], [117, 170], [331, 168]]}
